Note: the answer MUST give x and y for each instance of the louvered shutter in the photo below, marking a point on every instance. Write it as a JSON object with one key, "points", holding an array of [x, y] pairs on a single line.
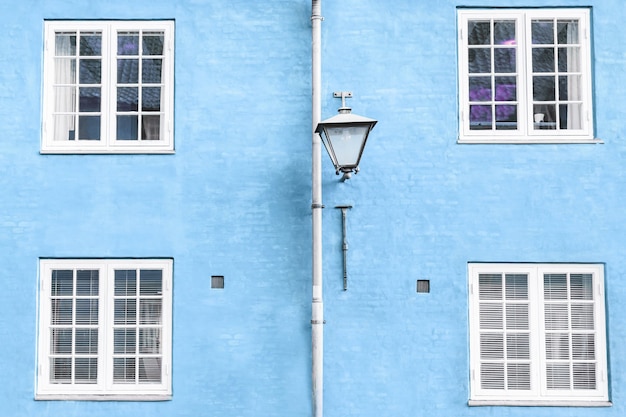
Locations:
{"points": [[504, 332]]}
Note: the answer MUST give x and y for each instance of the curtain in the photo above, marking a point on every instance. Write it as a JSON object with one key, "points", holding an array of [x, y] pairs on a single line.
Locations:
{"points": [[64, 86]]}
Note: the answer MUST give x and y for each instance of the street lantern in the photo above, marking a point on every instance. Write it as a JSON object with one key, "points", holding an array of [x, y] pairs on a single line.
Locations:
{"points": [[344, 137]]}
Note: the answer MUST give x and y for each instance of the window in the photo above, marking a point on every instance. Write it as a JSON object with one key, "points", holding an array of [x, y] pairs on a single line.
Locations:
{"points": [[537, 334], [525, 76], [105, 329], [108, 87]]}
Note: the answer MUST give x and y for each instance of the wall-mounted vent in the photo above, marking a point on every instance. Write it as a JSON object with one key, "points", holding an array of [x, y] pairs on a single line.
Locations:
{"points": [[423, 285], [217, 281]]}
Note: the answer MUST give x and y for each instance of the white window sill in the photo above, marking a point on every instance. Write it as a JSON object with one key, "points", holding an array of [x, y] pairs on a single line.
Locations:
{"points": [[529, 141], [538, 403], [103, 397], [106, 152]]}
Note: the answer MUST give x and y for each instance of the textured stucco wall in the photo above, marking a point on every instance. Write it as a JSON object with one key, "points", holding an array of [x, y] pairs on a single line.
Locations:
{"points": [[234, 200]]}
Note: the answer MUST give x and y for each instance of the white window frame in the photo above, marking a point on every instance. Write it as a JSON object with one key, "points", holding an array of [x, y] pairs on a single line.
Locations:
{"points": [[538, 394], [105, 388], [108, 142], [525, 132]]}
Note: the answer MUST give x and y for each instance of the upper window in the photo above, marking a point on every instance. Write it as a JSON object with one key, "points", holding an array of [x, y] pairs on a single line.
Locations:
{"points": [[525, 76], [105, 329], [537, 334], [108, 87]]}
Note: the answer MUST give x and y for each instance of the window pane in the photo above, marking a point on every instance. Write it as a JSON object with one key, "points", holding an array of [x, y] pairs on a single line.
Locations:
{"points": [[128, 43], [504, 32], [582, 316], [150, 311], [490, 286], [543, 59], [153, 43], [570, 87], [556, 317], [542, 32], [480, 89], [504, 60], [127, 71], [127, 99], [86, 370], [518, 346], [90, 71], [65, 44], [64, 127], [126, 282], [151, 127], [491, 316], [149, 370], [479, 32], [86, 341], [89, 100], [555, 286], [570, 116], [581, 286], [150, 340], [61, 311], [124, 370], [87, 282], [567, 31], [506, 117], [61, 370], [516, 286], [491, 346], [87, 311], [518, 376], [569, 59], [557, 346], [64, 71], [492, 375], [557, 376], [151, 70], [125, 341], [126, 311], [479, 60], [90, 44], [583, 346], [127, 127], [89, 127], [62, 282], [65, 99], [517, 316], [60, 341], [480, 117], [151, 99], [584, 375], [544, 89], [151, 282]]}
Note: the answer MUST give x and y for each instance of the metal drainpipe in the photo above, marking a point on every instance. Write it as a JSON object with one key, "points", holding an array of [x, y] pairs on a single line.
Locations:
{"points": [[317, 304]]}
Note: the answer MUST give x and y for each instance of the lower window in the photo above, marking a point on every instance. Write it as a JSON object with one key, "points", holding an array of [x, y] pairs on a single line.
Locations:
{"points": [[105, 329], [537, 334]]}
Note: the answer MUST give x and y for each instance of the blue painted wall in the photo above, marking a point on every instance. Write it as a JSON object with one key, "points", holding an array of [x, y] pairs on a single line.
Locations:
{"points": [[235, 201]]}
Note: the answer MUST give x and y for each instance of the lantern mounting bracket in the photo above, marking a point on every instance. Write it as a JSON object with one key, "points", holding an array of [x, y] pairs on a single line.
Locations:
{"points": [[344, 95]]}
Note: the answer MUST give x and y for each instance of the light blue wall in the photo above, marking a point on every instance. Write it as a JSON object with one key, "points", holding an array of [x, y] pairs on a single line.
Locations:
{"points": [[235, 201]]}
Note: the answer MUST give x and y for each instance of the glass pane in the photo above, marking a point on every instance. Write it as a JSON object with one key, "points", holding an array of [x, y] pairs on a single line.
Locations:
{"points": [[479, 60], [518, 346], [583, 346], [61, 341], [65, 44], [150, 370], [567, 31], [492, 375], [125, 341], [558, 376], [89, 100], [127, 99], [584, 376], [504, 32], [570, 87], [150, 340], [480, 89], [126, 311], [62, 282], [64, 71], [150, 283], [480, 117], [61, 311], [506, 89], [569, 59], [556, 317], [90, 71], [479, 32], [150, 311], [557, 346], [86, 370], [544, 116], [128, 43], [583, 317], [543, 59], [127, 71], [555, 286], [87, 282], [89, 127], [127, 127], [153, 43], [518, 376], [90, 44], [506, 117], [544, 88], [124, 369], [151, 128], [125, 282], [570, 116], [504, 60], [64, 127], [581, 286], [65, 99], [491, 316], [542, 32], [61, 370], [87, 341], [151, 70], [87, 311], [151, 99], [517, 316]]}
